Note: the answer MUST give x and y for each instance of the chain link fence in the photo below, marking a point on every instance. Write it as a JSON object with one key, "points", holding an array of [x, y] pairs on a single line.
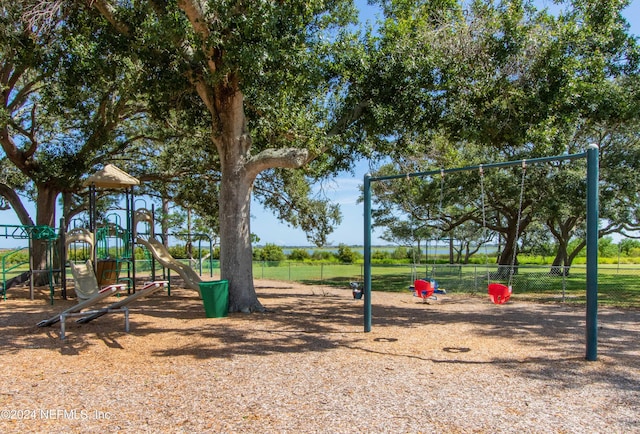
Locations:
{"points": [[618, 285]]}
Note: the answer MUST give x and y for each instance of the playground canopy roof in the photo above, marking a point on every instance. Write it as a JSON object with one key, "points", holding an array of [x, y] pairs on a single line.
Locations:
{"points": [[111, 177]]}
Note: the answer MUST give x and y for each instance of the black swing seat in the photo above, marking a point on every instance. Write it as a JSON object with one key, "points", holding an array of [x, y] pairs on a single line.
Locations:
{"points": [[356, 290]]}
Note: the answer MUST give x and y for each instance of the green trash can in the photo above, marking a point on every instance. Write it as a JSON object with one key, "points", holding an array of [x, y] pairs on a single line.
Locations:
{"points": [[215, 297]]}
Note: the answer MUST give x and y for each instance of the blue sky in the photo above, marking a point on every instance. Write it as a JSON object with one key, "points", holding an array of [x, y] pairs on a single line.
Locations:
{"points": [[343, 190]]}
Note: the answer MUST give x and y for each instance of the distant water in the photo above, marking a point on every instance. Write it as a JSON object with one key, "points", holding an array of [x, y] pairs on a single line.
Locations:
{"points": [[440, 250]]}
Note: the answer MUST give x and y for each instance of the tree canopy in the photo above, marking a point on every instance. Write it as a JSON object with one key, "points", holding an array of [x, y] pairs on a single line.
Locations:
{"points": [[505, 81]]}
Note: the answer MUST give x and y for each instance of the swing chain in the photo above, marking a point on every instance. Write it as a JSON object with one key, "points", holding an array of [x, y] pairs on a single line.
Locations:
{"points": [[518, 220], [439, 235], [484, 222]]}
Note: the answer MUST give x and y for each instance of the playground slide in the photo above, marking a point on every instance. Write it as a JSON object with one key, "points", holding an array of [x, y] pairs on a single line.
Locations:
{"points": [[190, 277]]}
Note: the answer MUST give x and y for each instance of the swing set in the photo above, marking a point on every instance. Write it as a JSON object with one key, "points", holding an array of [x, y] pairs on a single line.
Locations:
{"points": [[500, 293]]}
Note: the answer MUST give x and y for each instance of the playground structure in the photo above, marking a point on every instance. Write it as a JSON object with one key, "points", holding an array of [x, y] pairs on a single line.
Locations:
{"points": [[100, 255], [14, 268], [591, 155], [99, 237], [117, 307], [110, 248], [112, 243]]}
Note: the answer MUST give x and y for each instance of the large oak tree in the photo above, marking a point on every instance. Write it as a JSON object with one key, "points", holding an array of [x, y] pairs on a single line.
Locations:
{"points": [[266, 80]]}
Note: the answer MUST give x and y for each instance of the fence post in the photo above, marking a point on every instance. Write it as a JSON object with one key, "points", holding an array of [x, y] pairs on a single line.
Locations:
{"points": [[565, 270], [475, 278]]}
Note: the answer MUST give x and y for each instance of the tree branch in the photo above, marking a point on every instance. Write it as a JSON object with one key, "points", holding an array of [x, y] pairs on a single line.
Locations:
{"points": [[195, 11], [16, 203], [348, 118], [22, 95], [291, 158], [107, 10], [27, 154]]}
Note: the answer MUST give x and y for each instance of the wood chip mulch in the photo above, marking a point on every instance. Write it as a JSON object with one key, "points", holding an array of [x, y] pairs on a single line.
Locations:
{"points": [[456, 365]]}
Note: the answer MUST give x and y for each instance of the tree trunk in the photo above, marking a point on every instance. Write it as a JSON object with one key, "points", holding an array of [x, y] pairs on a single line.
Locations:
{"points": [[238, 171], [189, 246], [236, 259], [506, 256], [571, 256], [164, 223], [560, 260], [45, 216], [236, 184], [562, 231], [451, 250]]}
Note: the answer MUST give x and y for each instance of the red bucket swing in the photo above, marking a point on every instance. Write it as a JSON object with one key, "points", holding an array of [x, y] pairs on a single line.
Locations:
{"points": [[422, 288], [498, 292]]}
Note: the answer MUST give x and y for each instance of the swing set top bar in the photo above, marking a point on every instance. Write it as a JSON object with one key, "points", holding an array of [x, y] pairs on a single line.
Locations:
{"points": [[482, 166]]}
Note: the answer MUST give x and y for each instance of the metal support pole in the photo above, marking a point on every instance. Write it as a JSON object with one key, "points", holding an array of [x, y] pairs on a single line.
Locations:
{"points": [[31, 265], [63, 257], [93, 217], [130, 234], [367, 253], [592, 252], [63, 326], [126, 319]]}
